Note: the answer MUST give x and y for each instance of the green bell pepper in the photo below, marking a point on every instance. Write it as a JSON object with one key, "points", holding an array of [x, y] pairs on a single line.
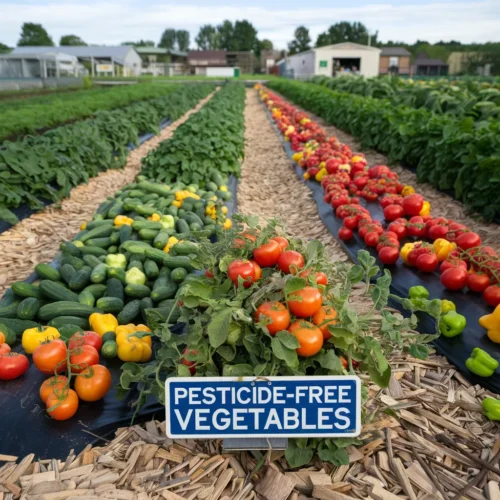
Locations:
{"points": [[418, 292], [135, 276], [167, 221], [116, 260], [452, 324], [447, 305], [491, 408], [481, 363]]}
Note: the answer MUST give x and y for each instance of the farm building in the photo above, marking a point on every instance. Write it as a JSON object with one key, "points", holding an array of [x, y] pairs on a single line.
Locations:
{"points": [[336, 59], [122, 60], [159, 61], [424, 65], [395, 61]]}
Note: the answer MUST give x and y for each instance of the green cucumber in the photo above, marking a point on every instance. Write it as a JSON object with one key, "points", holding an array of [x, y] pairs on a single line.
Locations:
{"points": [[115, 289], [135, 263], [125, 233], [9, 311], [136, 193], [129, 312], [172, 211], [28, 308], [18, 325], [87, 298], [160, 189], [47, 272], [97, 290], [10, 336], [65, 308], [60, 321], [108, 336], [145, 210], [99, 273], [182, 226], [99, 242], [56, 292], [110, 304], [137, 291], [146, 224], [135, 247], [70, 248], [178, 275], [23, 289], [192, 218], [162, 238], [93, 250], [115, 237], [148, 234], [116, 209], [109, 349], [98, 232], [98, 223], [186, 248], [146, 303], [72, 261], [151, 269], [67, 272], [165, 292], [118, 273], [80, 280], [91, 260], [161, 281]]}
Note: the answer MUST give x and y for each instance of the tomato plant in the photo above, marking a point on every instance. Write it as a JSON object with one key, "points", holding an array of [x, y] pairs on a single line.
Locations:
{"points": [[306, 302], [325, 316], [244, 269], [93, 383], [282, 242], [188, 362], [53, 384], [276, 313], [309, 337], [267, 255], [290, 262]]}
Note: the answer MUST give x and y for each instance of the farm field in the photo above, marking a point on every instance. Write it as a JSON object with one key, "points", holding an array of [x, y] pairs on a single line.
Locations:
{"points": [[251, 238]]}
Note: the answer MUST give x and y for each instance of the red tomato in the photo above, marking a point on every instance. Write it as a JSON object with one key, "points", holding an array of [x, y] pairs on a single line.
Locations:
{"points": [[437, 231], [93, 383], [454, 279], [468, 240], [344, 233], [83, 357], [413, 204], [12, 365], [398, 229], [388, 255], [258, 270], [452, 264], [277, 313], [88, 338], [4, 349], [393, 212], [290, 262], [50, 357], [241, 268], [492, 295], [267, 255], [478, 282], [306, 302], [319, 277], [371, 239], [62, 406], [325, 316], [309, 336], [282, 242], [56, 383], [427, 262], [209, 274], [243, 239], [351, 222], [186, 362]]}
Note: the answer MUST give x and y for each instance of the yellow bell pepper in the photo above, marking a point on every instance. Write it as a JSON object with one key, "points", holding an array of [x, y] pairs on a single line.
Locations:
{"points": [[297, 156], [228, 224], [426, 209], [170, 243], [407, 190], [33, 337], [83, 226], [320, 174], [223, 188], [102, 323], [306, 176], [491, 322], [155, 217], [132, 348], [442, 248], [356, 159], [121, 220], [405, 250]]}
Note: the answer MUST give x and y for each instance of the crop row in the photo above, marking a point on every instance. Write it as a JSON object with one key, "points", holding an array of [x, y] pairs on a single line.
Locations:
{"points": [[438, 97], [450, 153], [26, 116], [49, 165], [212, 138]]}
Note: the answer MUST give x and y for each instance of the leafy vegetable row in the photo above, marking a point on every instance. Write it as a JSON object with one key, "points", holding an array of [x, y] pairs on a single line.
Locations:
{"points": [[438, 97], [26, 116], [48, 166], [211, 139], [450, 153]]}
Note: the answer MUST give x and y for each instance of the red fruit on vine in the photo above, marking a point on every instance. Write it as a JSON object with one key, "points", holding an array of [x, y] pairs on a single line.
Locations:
{"points": [[388, 255], [345, 233], [427, 263], [492, 295], [455, 278], [477, 282], [468, 240]]}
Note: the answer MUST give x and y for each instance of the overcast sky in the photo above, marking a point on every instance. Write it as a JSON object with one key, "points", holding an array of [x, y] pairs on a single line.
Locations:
{"points": [[111, 22]]}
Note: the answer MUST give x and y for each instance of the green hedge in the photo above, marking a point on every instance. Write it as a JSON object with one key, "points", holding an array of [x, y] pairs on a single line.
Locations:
{"points": [[450, 153], [50, 165]]}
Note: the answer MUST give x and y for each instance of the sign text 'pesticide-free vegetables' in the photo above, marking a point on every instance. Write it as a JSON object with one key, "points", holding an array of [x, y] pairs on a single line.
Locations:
{"points": [[216, 407]]}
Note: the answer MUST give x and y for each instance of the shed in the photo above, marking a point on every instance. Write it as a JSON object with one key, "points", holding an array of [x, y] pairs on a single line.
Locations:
{"points": [[332, 60], [395, 60], [101, 59], [200, 60], [48, 65], [158, 61], [424, 65]]}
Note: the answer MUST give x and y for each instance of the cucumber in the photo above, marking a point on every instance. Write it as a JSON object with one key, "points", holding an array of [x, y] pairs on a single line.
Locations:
{"points": [[208, 220], [109, 336], [47, 272], [161, 282], [99, 242], [118, 273], [165, 292], [59, 321], [97, 223], [211, 186], [130, 204], [99, 273], [91, 260], [10, 336], [92, 250], [115, 237], [137, 291], [65, 308], [9, 311], [135, 263], [136, 193], [135, 247], [98, 232], [87, 298], [162, 238], [150, 197], [146, 224], [110, 304], [56, 292], [113, 249], [28, 308], [178, 275], [182, 226], [23, 289], [116, 209], [72, 261], [104, 207], [148, 234], [146, 303], [192, 218], [151, 269], [97, 290], [67, 272], [194, 227], [172, 211], [70, 248], [8, 297], [168, 260], [160, 189], [145, 210], [125, 233], [109, 349], [129, 312], [165, 272], [115, 289], [164, 311], [186, 248], [217, 178], [18, 325], [81, 279], [224, 195]]}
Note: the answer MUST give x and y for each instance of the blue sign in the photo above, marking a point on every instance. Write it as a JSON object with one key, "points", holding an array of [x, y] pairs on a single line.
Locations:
{"points": [[230, 407]]}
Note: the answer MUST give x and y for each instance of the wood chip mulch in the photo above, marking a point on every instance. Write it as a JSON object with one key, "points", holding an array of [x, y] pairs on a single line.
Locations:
{"points": [[37, 238]]}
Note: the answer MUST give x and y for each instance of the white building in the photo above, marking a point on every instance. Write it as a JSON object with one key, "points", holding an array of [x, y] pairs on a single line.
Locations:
{"points": [[122, 60], [333, 60]]}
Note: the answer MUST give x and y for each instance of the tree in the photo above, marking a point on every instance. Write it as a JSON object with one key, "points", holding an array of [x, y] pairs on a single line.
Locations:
{"points": [[182, 37], [207, 38], [34, 34], [266, 44], [302, 41], [4, 49], [71, 40], [225, 33], [140, 43], [347, 32], [245, 37], [167, 39]]}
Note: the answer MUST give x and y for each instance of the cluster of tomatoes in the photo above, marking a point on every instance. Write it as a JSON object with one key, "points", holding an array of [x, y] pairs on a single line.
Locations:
{"points": [[80, 360], [304, 315]]}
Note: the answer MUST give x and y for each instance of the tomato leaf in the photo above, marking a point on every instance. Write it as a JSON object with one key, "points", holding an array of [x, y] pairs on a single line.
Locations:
{"points": [[419, 351], [294, 285], [313, 250], [241, 370], [330, 361], [355, 274], [183, 371], [218, 328], [227, 352], [289, 356], [380, 292]]}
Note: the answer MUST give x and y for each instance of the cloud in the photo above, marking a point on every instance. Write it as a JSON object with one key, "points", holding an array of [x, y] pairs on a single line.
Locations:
{"points": [[112, 22]]}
